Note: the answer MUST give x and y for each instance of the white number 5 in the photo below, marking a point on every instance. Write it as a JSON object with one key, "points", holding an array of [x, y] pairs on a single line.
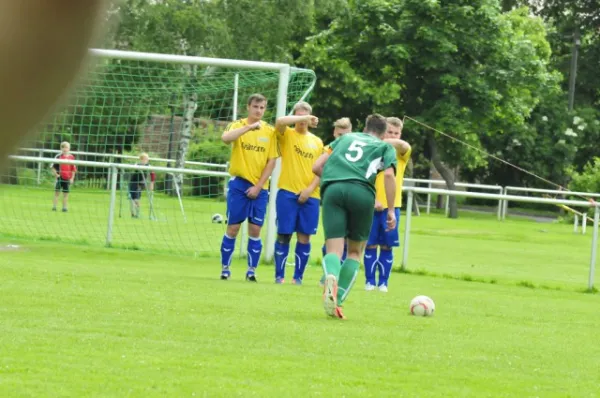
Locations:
{"points": [[356, 148]]}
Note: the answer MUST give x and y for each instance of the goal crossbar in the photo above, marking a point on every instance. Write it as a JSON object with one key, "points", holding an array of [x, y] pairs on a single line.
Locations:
{"points": [[186, 59]]}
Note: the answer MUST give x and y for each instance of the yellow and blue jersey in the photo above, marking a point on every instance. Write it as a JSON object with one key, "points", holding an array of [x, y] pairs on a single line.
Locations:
{"points": [[380, 187], [298, 154], [251, 151]]}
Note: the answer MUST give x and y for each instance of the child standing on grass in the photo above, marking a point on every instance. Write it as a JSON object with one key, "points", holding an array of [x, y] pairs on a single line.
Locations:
{"points": [[64, 174], [138, 182]]}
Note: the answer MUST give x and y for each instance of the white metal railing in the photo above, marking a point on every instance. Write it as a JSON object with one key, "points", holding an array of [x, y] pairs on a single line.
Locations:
{"points": [[430, 183], [111, 157], [551, 192], [578, 203]]}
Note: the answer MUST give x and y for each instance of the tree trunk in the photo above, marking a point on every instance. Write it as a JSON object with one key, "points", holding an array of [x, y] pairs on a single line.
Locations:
{"points": [[190, 107], [446, 174]]}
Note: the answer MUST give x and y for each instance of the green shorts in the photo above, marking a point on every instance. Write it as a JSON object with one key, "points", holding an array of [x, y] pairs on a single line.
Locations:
{"points": [[347, 210]]}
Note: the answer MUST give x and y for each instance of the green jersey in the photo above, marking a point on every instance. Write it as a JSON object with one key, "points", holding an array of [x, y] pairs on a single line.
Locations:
{"points": [[357, 157]]}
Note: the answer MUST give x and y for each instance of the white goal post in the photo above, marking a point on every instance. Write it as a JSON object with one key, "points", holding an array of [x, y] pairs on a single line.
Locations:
{"points": [[284, 76]]}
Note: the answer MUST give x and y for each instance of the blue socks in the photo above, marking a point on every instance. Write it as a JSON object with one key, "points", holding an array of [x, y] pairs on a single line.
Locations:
{"points": [[386, 260], [227, 247], [254, 250], [302, 256], [281, 254], [370, 265]]}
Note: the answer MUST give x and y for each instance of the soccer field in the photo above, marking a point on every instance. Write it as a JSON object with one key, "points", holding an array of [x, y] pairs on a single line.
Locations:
{"points": [[82, 320]]}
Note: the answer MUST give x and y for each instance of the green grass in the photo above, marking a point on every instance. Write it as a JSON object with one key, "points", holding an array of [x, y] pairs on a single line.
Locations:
{"points": [[25, 212], [475, 247], [80, 320]]}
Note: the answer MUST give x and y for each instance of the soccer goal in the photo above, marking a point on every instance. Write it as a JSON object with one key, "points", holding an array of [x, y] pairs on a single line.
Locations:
{"points": [[172, 108]]}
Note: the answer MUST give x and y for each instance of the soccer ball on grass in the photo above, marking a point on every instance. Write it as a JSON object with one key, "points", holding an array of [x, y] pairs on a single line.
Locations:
{"points": [[422, 306], [218, 219]]}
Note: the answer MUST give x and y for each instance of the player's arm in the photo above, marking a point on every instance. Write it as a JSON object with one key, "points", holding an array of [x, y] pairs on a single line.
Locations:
{"points": [[306, 192], [266, 173], [319, 164], [389, 182], [313, 184], [229, 136], [73, 172], [55, 169], [401, 146], [152, 180], [284, 121]]}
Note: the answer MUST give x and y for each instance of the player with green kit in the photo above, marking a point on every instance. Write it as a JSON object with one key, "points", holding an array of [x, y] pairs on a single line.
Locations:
{"points": [[348, 171]]}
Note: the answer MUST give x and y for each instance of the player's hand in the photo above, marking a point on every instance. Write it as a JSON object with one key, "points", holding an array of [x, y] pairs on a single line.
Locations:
{"points": [[254, 126], [71, 181], [253, 192], [313, 121], [304, 195], [391, 220], [378, 205]]}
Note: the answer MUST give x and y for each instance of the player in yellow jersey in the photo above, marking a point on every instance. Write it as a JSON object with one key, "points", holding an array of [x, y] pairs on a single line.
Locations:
{"points": [[253, 154], [386, 240], [298, 198]]}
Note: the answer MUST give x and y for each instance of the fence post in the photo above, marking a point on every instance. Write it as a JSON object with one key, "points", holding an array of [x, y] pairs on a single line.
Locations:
{"points": [[447, 205], [39, 168], [575, 222], [584, 222], [409, 203], [594, 248], [505, 204], [428, 199], [111, 208], [500, 205], [110, 170]]}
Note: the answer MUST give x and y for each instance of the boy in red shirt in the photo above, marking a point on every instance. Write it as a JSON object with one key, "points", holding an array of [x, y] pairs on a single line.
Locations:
{"points": [[65, 174]]}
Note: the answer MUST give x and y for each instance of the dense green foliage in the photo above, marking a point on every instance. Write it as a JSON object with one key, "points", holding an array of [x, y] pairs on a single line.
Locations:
{"points": [[491, 73]]}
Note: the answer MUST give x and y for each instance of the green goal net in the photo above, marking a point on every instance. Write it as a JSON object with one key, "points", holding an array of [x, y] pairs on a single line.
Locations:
{"points": [[172, 108]]}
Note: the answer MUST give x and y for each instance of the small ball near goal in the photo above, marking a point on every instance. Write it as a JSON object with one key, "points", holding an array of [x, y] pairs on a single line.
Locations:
{"points": [[422, 306], [218, 219]]}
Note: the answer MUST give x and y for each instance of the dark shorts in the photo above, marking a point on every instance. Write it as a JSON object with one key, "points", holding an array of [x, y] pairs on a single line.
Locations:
{"points": [[295, 217], [347, 210], [240, 207], [135, 191], [62, 185]]}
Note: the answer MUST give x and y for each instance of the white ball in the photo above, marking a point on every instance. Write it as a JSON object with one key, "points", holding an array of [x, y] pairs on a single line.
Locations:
{"points": [[422, 306], [217, 219]]}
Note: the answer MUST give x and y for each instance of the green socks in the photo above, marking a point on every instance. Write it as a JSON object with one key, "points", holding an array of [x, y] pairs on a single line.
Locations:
{"points": [[345, 274], [332, 265], [346, 279]]}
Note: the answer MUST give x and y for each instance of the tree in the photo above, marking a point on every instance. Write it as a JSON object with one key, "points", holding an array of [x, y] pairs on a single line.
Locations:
{"points": [[430, 61]]}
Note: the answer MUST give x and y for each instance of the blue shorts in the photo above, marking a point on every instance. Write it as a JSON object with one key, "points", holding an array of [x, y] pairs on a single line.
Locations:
{"points": [[241, 208], [378, 235], [295, 217]]}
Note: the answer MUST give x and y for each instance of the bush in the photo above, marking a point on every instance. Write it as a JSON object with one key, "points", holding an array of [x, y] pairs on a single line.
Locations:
{"points": [[211, 150], [589, 179]]}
